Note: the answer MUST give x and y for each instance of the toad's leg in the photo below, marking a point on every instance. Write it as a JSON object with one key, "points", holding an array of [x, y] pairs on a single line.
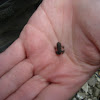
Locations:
{"points": [[62, 51], [62, 47]]}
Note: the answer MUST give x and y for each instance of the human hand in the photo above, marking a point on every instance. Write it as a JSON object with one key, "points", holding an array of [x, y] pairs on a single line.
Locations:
{"points": [[30, 68]]}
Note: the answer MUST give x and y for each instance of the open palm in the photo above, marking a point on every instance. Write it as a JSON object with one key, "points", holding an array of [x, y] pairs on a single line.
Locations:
{"points": [[31, 70]]}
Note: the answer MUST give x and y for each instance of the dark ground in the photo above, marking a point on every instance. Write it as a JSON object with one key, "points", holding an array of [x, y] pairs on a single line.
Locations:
{"points": [[14, 14]]}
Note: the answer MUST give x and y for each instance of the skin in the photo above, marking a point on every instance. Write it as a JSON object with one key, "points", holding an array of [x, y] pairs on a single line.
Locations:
{"points": [[30, 68]]}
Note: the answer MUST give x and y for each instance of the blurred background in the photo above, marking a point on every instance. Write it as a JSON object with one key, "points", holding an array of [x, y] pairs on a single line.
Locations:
{"points": [[14, 14]]}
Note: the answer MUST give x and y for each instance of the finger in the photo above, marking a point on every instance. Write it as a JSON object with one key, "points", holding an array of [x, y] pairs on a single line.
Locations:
{"points": [[54, 92], [16, 77], [30, 89], [13, 55]]}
